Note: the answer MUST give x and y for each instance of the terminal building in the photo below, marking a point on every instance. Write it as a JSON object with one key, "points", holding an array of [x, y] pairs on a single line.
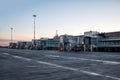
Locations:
{"points": [[91, 41], [102, 42], [45, 44], [71, 43], [109, 42]]}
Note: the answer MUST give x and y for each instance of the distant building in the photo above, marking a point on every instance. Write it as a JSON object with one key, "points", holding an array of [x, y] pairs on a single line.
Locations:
{"points": [[51, 44], [46, 44], [109, 42], [67, 42], [79, 43], [21, 44], [71, 43], [106, 42], [37, 44], [91, 34], [28, 45], [112, 34], [90, 40], [12, 45]]}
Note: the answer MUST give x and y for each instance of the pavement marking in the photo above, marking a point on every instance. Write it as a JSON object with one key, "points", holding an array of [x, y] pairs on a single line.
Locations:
{"points": [[32, 66], [113, 77], [95, 60], [19, 57], [5, 53], [63, 67], [56, 56], [57, 66], [91, 73]]}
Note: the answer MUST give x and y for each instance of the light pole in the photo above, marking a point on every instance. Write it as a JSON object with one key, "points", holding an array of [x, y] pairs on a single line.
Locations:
{"points": [[11, 35], [34, 28]]}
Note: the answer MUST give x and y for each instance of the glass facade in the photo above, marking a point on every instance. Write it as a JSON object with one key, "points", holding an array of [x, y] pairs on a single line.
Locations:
{"points": [[110, 43]]}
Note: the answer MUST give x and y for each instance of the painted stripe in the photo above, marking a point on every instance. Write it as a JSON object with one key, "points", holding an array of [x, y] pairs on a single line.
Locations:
{"points": [[56, 56], [113, 77], [65, 67], [58, 66], [95, 60], [19, 57], [70, 68], [5, 53], [91, 73]]}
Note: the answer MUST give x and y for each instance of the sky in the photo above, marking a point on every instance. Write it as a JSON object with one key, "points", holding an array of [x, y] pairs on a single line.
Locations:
{"points": [[72, 17]]}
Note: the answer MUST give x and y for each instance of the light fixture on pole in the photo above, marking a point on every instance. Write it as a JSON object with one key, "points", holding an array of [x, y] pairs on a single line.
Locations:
{"points": [[34, 28], [11, 35]]}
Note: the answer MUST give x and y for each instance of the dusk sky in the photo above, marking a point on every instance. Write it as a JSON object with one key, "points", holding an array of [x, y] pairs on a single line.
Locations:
{"points": [[72, 17]]}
